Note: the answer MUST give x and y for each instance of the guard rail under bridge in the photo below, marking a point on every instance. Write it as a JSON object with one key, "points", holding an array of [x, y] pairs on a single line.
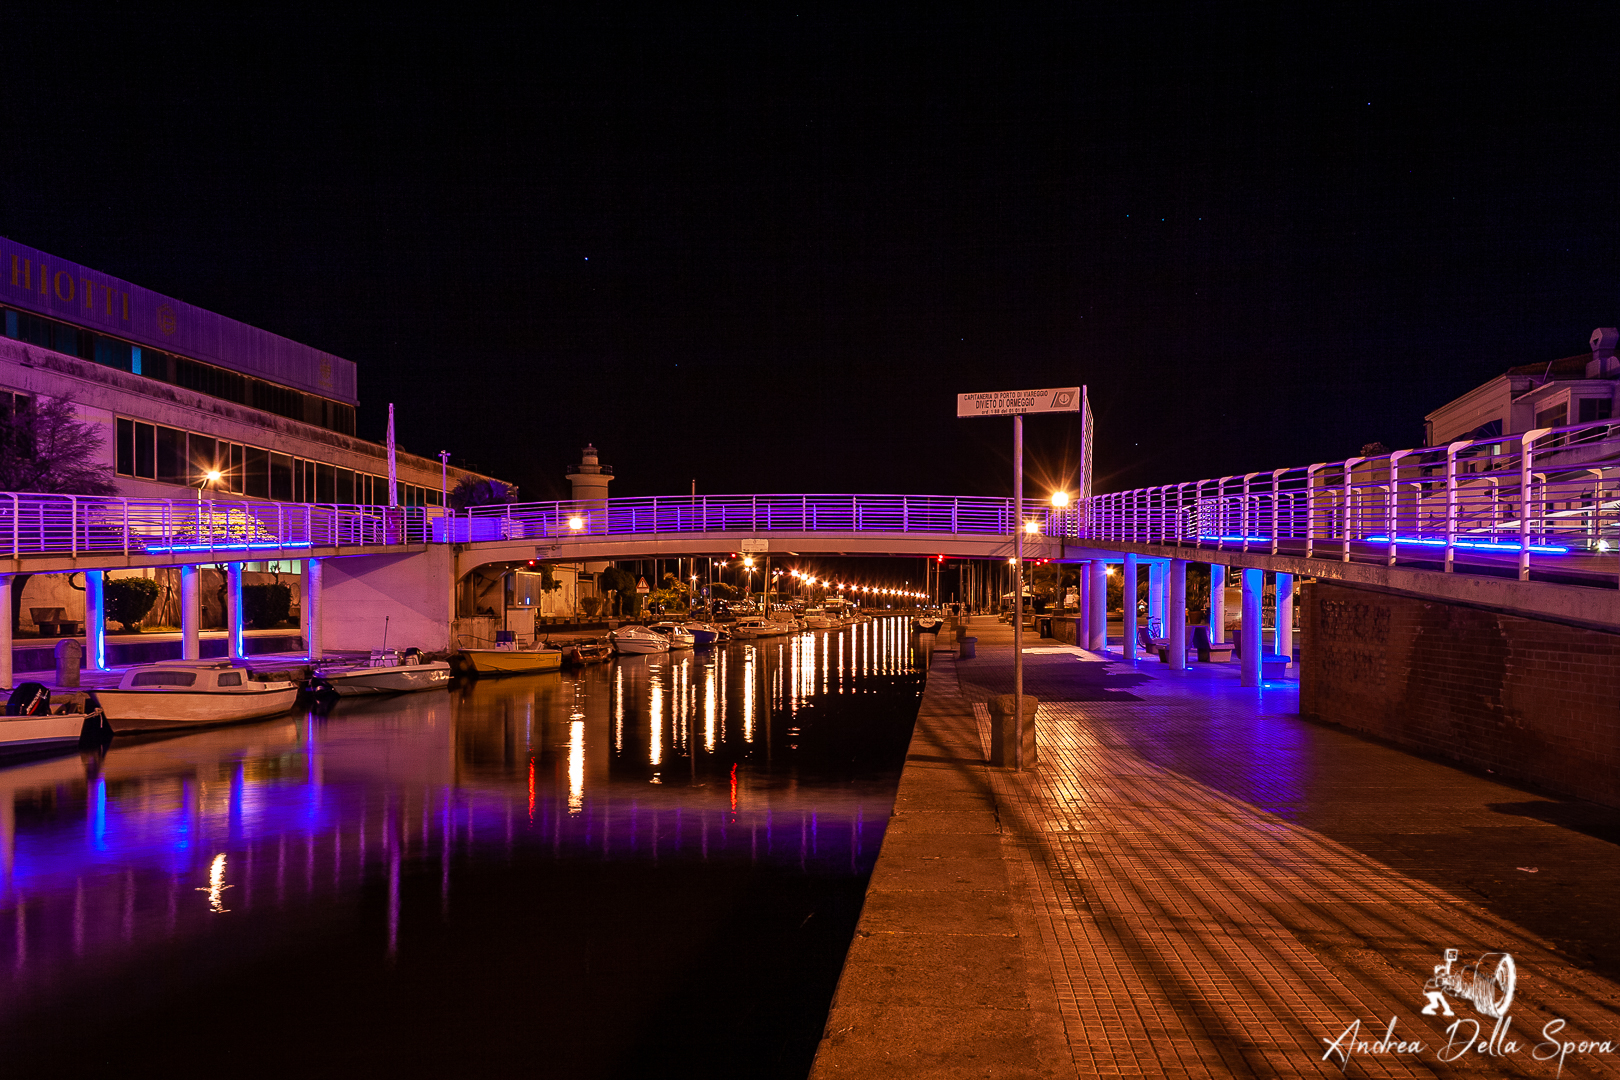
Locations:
{"points": [[1527, 523], [672, 527]]}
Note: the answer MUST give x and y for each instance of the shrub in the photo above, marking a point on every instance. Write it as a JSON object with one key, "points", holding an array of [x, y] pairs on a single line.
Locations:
{"points": [[265, 606], [129, 599], [590, 605]]}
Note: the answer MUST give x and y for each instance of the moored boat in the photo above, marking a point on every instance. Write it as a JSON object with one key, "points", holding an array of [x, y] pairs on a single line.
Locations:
{"points": [[191, 693], [513, 660], [580, 653], [386, 672], [31, 726], [679, 636], [927, 624], [707, 633], [636, 640]]}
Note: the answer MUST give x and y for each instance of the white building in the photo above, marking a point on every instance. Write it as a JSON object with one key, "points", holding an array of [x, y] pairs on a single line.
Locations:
{"points": [[1574, 390]]}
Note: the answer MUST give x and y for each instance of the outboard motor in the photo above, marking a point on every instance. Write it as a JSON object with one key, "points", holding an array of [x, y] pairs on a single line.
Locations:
{"points": [[413, 655], [29, 699]]}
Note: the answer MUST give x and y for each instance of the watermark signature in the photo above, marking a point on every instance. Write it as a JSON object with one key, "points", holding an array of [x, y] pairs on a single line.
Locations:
{"points": [[1488, 985]]}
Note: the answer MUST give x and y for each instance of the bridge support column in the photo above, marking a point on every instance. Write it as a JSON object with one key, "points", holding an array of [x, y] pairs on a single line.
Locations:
{"points": [[1285, 616], [1099, 606], [310, 607], [233, 609], [95, 620], [190, 638], [1176, 623], [1156, 607], [6, 585], [1254, 583], [1127, 581], [1082, 635], [1217, 603]]}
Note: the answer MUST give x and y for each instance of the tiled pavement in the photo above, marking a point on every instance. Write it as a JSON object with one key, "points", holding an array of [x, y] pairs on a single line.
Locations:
{"points": [[1194, 882]]}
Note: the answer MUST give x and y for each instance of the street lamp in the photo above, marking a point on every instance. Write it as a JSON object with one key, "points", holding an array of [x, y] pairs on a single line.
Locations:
{"points": [[1060, 499]]}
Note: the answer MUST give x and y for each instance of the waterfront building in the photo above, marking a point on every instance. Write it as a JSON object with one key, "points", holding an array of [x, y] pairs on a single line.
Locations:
{"points": [[1548, 394], [179, 393]]}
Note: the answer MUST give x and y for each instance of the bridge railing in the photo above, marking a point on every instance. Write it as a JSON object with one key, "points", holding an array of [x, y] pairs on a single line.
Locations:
{"points": [[733, 514], [1548, 499], [75, 525]]}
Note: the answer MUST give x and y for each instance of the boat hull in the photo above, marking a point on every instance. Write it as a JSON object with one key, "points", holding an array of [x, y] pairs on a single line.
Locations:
{"points": [[35, 734], [405, 679], [162, 710], [513, 661]]}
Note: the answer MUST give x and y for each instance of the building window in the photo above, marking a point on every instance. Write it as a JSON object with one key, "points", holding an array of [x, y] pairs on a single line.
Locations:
{"points": [[1555, 417], [345, 486], [255, 472], [1595, 409], [135, 451], [171, 456], [281, 478]]}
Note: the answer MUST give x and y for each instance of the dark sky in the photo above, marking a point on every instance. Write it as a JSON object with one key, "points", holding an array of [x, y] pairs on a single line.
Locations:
{"points": [[765, 250]]}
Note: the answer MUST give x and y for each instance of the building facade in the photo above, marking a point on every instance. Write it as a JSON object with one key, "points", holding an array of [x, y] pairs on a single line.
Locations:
{"points": [[1572, 390]]}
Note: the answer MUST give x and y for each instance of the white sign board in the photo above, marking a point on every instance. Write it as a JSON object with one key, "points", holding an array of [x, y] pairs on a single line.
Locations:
{"points": [[641, 586], [1015, 402], [756, 545]]}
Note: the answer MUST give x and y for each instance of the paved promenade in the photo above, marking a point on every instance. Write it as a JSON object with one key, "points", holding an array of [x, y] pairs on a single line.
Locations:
{"points": [[1194, 883]]}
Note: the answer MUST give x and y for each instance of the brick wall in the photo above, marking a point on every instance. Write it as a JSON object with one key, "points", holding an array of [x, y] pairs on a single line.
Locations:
{"points": [[1533, 701]]}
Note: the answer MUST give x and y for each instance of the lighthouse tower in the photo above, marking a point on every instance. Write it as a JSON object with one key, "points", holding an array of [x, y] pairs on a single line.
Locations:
{"points": [[590, 479]]}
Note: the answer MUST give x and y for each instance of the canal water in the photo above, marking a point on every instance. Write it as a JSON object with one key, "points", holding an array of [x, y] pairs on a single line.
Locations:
{"points": [[648, 867]]}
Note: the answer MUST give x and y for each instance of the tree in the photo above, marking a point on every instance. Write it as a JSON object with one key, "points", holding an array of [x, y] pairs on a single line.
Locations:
{"points": [[471, 491], [623, 584], [46, 448], [128, 600], [266, 606]]}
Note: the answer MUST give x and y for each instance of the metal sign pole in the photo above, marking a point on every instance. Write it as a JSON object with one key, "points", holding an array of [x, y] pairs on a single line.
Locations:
{"points": [[1018, 584]]}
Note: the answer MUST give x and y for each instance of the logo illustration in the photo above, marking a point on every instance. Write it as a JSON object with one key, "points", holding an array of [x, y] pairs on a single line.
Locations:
{"points": [[1487, 983], [165, 319], [1063, 399]]}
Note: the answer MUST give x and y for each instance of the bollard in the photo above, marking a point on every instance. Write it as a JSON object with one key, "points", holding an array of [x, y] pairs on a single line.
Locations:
{"points": [[965, 647], [1003, 750], [69, 658]]}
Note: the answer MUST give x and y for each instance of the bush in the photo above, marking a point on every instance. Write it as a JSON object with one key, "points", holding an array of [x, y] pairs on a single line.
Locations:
{"points": [[266, 606], [129, 599], [590, 605]]}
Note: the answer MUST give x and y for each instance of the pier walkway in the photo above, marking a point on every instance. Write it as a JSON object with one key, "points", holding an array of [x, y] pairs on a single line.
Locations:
{"points": [[1194, 882]]}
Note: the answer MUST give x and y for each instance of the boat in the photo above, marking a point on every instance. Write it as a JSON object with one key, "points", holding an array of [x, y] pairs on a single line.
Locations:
{"points": [[707, 633], [753, 627], [387, 671], [927, 624], [635, 640], [30, 725], [817, 619], [191, 693], [679, 636], [590, 651], [512, 660]]}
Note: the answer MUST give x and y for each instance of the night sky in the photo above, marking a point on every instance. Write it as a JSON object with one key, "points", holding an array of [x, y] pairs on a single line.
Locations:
{"points": [[764, 250]]}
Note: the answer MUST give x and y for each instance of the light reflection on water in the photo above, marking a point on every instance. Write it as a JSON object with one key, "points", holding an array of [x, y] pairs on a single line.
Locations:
{"points": [[124, 858]]}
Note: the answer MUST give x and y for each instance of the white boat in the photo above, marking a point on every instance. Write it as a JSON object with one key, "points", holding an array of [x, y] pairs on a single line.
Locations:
{"points": [[753, 627], [386, 672], [30, 725], [817, 619], [635, 640], [679, 636], [189, 693]]}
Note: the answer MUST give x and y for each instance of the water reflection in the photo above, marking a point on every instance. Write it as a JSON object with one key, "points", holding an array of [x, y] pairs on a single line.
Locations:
{"points": [[267, 830]]}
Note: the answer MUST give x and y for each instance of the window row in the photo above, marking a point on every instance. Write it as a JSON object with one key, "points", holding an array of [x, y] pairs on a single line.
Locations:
{"points": [[171, 456], [179, 371]]}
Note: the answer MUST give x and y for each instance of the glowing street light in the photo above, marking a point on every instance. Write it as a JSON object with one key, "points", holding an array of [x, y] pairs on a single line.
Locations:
{"points": [[576, 523], [1060, 499], [1032, 527]]}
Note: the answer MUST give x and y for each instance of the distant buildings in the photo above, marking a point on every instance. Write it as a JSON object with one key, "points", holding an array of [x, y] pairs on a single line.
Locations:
{"points": [[1573, 390]]}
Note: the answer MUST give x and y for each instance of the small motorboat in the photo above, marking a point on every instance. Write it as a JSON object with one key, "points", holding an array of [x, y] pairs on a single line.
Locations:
{"points": [[706, 633], [817, 619], [754, 627], [636, 640], [191, 693], [386, 672], [679, 636], [927, 624], [508, 658], [31, 726], [591, 651]]}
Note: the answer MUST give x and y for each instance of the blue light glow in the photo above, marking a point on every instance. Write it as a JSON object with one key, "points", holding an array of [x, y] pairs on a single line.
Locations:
{"points": [[1475, 545], [181, 548]]}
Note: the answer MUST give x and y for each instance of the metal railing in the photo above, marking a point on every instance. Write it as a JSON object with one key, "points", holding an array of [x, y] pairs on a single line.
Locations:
{"points": [[173, 529], [1545, 502], [731, 514]]}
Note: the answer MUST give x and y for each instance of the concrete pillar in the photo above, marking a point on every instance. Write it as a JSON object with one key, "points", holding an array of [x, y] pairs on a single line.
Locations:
{"points": [[190, 639], [1217, 603], [1285, 616], [1127, 580], [1254, 584], [1099, 606], [1176, 625], [233, 610], [1156, 606], [6, 585], [311, 607], [95, 620], [1083, 636]]}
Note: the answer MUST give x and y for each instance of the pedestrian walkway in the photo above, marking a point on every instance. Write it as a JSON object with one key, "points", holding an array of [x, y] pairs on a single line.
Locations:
{"points": [[1194, 882]]}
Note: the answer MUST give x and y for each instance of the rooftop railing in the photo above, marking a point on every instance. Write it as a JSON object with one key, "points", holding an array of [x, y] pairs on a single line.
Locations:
{"points": [[1544, 504], [173, 529]]}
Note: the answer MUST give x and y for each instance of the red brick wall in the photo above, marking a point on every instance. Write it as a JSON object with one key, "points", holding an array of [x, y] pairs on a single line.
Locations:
{"points": [[1533, 701]]}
